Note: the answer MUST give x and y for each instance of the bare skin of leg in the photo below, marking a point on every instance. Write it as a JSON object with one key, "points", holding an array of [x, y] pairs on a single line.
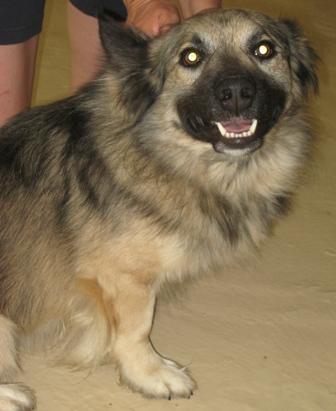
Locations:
{"points": [[141, 367], [86, 50], [17, 63]]}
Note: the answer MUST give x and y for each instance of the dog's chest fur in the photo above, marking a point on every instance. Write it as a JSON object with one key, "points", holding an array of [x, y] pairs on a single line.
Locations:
{"points": [[190, 232], [212, 235]]}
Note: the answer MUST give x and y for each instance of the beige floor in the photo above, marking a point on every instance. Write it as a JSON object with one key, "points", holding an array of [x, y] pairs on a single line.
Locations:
{"points": [[257, 339]]}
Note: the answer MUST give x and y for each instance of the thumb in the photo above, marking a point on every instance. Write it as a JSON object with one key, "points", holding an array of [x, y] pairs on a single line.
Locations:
{"points": [[153, 17], [166, 19]]}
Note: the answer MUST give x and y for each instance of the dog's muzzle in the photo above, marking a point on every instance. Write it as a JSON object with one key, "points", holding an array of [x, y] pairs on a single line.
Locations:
{"points": [[235, 95], [234, 114]]}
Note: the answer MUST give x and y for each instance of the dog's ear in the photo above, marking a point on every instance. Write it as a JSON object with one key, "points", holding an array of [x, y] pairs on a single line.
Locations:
{"points": [[126, 51], [304, 59], [124, 46]]}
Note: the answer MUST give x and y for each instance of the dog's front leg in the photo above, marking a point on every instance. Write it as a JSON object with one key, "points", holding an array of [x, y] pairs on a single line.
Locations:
{"points": [[13, 396], [141, 367]]}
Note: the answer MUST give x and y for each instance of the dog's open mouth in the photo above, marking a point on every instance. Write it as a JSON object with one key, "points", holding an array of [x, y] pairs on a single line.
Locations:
{"points": [[237, 128], [237, 132], [235, 136]]}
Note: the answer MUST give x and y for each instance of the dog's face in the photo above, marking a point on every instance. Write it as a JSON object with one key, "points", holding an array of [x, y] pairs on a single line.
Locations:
{"points": [[225, 78]]}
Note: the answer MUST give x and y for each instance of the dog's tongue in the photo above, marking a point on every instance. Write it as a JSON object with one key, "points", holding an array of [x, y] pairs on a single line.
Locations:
{"points": [[237, 125]]}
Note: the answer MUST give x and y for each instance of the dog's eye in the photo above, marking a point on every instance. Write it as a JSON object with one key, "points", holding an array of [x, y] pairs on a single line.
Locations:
{"points": [[191, 57], [264, 50]]}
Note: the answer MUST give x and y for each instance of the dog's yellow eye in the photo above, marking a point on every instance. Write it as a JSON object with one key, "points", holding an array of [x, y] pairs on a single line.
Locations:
{"points": [[264, 50], [191, 57]]}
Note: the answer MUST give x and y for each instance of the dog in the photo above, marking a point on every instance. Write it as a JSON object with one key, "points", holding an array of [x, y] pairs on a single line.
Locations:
{"points": [[175, 161]]}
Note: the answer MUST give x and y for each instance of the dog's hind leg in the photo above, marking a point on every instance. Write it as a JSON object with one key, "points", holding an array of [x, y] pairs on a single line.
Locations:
{"points": [[13, 396], [141, 367]]}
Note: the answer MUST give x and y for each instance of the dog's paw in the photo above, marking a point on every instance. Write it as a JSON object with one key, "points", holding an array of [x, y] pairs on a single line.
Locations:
{"points": [[164, 380], [16, 397]]}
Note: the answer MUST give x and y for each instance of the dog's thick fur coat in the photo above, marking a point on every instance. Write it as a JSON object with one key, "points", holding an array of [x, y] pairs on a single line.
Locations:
{"points": [[132, 184]]}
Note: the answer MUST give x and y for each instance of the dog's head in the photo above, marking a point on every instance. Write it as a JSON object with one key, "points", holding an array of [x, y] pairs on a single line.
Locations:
{"points": [[223, 78]]}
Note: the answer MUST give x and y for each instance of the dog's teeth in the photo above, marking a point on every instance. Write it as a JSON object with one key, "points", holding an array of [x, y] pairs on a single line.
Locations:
{"points": [[226, 134], [221, 129], [253, 126]]}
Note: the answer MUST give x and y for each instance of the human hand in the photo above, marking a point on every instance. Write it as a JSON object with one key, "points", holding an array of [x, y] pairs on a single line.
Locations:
{"points": [[191, 7], [153, 17]]}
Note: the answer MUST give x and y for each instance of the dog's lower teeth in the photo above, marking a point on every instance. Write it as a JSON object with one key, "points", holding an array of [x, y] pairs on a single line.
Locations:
{"points": [[227, 134]]}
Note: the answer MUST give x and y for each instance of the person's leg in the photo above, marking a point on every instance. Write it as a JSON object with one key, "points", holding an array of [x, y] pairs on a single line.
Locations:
{"points": [[17, 63], [86, 50], [20, 24]]}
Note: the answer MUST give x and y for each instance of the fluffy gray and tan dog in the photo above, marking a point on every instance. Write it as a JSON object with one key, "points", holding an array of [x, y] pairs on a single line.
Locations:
{"points": [[174, 162]]}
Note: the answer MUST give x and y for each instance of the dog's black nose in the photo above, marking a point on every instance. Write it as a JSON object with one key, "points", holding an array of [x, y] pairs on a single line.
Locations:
{"points": [[236, 94]]}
